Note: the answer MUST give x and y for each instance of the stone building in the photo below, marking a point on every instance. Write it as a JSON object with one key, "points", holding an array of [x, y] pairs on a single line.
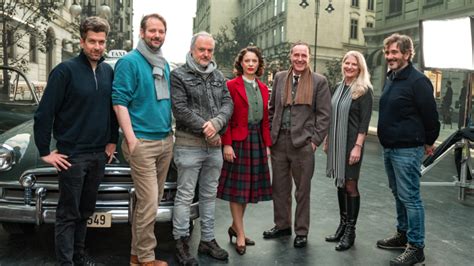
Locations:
{"points": [[276, 24], [62, 34]]}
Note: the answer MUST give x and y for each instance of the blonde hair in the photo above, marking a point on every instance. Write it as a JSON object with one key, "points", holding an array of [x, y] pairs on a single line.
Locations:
{"points": [[362, 83]]}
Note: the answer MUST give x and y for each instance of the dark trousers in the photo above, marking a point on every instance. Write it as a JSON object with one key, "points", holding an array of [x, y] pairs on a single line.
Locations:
{"points": [[288, 164], [78, 187]]}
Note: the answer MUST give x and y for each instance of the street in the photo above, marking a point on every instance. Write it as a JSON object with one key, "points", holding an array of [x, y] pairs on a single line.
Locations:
{"points": [[449, 234]]}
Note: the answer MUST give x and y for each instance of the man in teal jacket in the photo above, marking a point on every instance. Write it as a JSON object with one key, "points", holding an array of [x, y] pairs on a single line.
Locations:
{"points": [[141, 99]]}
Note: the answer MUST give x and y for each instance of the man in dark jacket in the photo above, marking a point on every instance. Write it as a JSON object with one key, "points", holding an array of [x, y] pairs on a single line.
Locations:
{"points": [[202, 107], [77, 107], [407, 129]]}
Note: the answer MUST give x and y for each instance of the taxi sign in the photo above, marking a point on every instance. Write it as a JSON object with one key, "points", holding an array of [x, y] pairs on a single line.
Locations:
{"points": [[116, 53]]}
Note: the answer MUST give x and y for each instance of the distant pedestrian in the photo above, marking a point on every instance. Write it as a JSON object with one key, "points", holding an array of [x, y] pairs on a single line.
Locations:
{"points": [[350, 118], [245, 176], [76, 107], [446, 104], [462, 105], [407, 128]]}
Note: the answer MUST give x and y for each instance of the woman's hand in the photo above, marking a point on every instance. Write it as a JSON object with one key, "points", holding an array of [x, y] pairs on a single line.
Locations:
{"points": [[229, 154], [355, 155]]}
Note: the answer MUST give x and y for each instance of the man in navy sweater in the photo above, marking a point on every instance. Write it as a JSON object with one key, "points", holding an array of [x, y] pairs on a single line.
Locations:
{"points": [[77, 108], [407, 129]]}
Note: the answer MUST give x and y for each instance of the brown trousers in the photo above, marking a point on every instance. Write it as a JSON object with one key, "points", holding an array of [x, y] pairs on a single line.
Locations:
{"points": [[288, 164], [149, 164]]}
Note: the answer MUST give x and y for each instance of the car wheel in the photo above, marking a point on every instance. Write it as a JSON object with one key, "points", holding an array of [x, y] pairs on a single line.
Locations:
{"points": [[17, 228]]}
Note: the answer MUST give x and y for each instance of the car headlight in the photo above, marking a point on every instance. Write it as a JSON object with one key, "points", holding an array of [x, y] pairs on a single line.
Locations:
{"points": [[27, 181], [7, 157]]}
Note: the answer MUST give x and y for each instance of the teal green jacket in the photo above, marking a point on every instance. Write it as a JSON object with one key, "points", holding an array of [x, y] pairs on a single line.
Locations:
{"points": [[134, 88]]}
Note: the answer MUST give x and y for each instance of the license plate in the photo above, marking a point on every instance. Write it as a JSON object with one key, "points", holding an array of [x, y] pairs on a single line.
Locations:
{"points": [[100, 219]]}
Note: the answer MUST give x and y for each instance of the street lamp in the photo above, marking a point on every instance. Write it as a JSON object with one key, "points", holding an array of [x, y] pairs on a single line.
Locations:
{"points": [[304, 4], [103, 11], [116, 37]]}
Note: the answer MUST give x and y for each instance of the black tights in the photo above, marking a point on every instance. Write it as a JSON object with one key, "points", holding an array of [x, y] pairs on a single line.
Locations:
{"points": [[351, 188]]}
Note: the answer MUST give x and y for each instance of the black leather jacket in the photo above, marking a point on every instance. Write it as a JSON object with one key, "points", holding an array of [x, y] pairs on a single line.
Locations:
{"points": [[196, 100]]}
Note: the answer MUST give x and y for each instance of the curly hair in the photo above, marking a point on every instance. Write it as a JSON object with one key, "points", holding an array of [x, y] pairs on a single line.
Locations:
{"points": [[239, 71], [404, 43]]}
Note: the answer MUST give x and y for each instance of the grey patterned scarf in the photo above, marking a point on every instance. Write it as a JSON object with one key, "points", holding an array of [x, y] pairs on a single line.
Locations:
{"points": [[337, 137], [158, 62], [203, 71]]}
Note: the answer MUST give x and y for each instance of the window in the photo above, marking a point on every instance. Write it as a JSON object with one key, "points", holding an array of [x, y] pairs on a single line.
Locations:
{"points": [[354, 26], [275, 8], [274, 41], [282, 33], [370, 24], [433, 2], [33, 49], [370, 5], [395, 6], [355, 3], [10, 44], [283, 6]]}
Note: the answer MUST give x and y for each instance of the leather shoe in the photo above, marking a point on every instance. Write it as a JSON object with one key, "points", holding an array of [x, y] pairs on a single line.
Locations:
{"points": [[300, 241], [275, 232]]}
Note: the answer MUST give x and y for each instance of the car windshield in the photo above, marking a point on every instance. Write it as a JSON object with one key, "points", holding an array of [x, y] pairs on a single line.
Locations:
{"points": [[15, 89]]}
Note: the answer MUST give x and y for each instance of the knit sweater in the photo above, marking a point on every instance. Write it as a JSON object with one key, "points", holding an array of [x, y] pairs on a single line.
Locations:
{"points": [[76, 107]]}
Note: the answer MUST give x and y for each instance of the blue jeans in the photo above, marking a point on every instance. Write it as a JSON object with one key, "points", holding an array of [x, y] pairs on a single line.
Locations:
{"points": [[196, 165], [403, 171], [77, 197]]}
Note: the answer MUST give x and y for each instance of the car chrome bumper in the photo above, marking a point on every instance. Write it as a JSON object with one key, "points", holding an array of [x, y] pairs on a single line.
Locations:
{"points": [[39, 214]]}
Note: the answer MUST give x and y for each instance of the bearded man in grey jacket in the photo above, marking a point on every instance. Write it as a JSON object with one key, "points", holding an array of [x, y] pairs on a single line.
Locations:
{"points": [[202, 107]]}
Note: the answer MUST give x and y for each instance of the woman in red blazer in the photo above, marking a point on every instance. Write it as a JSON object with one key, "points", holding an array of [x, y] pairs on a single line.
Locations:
{"points": [[245, 176]]}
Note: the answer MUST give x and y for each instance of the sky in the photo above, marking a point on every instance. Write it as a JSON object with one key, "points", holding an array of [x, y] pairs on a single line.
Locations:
{"points": [[179, 16]]}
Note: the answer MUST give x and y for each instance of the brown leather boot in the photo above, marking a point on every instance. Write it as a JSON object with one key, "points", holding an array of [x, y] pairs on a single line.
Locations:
{"points": [[134, 260], [154, 263]]}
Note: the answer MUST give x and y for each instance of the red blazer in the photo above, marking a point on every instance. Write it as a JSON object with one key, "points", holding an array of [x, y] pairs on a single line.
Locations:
{"points": [[238, 123]]}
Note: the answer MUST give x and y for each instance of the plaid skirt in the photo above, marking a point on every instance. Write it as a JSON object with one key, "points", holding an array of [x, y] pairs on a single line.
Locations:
{"points": [[247, 179]]}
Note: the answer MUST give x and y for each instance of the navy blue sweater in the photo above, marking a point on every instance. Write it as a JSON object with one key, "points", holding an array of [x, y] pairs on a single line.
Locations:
{"points": [[407, 113], [77, 107]]}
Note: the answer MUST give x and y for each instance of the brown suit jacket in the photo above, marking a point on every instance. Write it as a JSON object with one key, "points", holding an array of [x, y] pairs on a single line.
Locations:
{"points": [[308, 123]]}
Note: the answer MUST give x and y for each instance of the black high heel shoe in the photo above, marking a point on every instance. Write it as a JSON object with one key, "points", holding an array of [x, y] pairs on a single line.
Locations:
{"points": [[232, 233]]}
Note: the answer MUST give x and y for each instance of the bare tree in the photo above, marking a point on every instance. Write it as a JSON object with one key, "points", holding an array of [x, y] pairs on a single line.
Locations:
{"points": [[23, 25], [228, 44]]}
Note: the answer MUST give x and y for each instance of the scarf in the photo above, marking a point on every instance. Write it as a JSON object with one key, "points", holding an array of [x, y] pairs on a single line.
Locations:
{"points": [[203, 71], [158, 62], [337, 137], [304, 91]]}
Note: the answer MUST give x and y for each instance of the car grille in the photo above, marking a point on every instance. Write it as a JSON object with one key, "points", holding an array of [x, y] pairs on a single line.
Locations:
{"points": [[113, 190]]}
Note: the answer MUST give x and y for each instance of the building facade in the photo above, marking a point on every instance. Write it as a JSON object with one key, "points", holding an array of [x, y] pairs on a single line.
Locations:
{"points": [[62, 33], [276, 24]]}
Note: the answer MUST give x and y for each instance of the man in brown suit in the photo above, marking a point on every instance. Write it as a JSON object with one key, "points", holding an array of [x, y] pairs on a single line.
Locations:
{"points": [[300, 108]]}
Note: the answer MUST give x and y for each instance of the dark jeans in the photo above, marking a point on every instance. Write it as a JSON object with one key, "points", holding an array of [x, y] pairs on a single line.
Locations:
{"points": [[77, 197]]}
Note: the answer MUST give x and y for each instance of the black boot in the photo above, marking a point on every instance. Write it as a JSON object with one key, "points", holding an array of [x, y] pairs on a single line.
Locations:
{"points": [[341, 198], [347, 240]]}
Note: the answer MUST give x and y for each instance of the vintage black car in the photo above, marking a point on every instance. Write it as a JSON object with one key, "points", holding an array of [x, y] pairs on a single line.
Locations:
{"points": [[29, 187]]}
